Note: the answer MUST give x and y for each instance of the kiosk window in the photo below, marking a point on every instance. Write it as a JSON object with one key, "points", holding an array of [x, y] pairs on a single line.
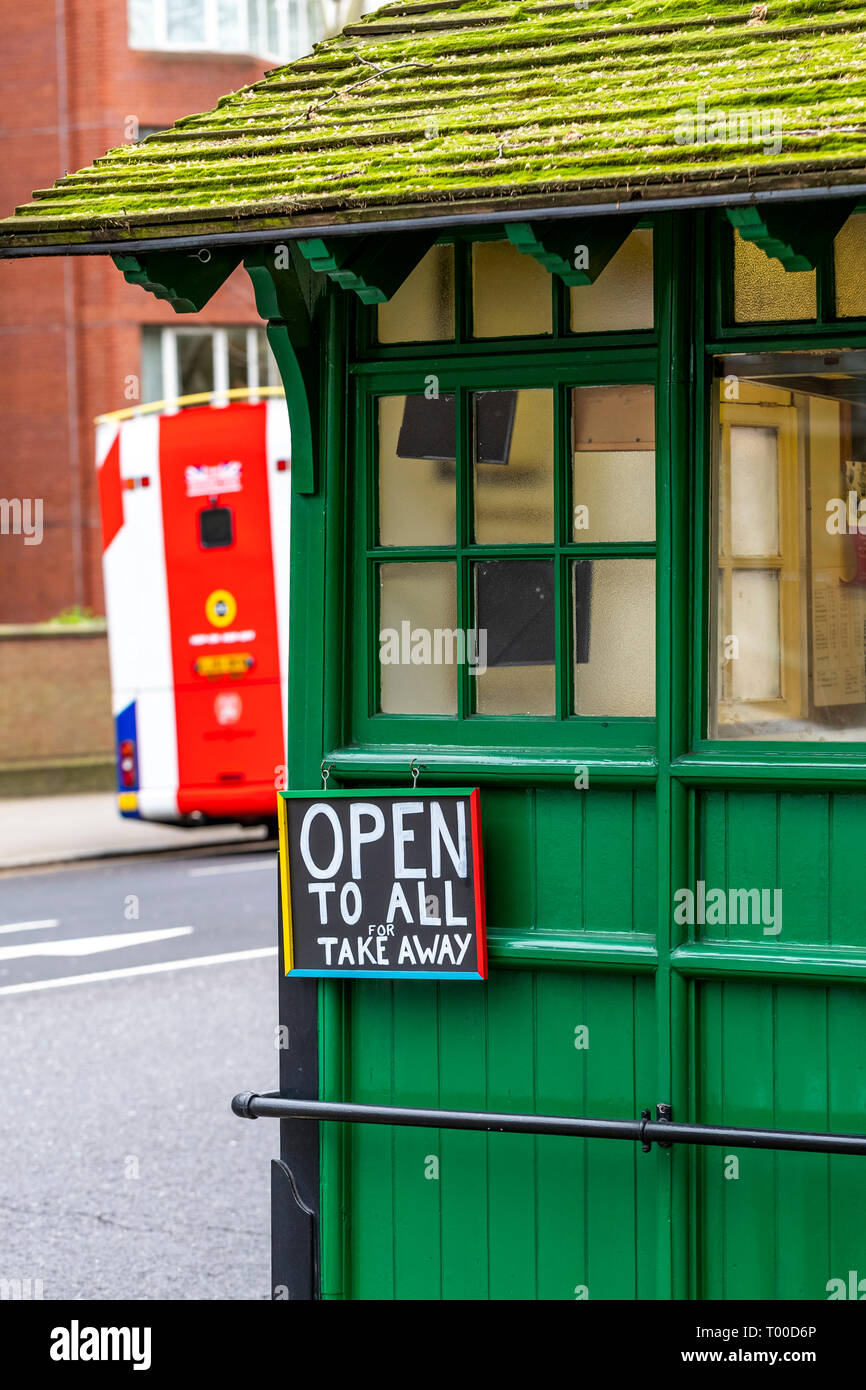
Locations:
{"points": [[422, 310], [621, 299], [216, 528], [489, 597], [789, 499], [513, 466]]}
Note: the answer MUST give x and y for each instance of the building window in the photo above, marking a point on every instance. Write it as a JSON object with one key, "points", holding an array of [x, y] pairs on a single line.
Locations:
{"points": [[274, 29], [789, 528], [181, 362]]}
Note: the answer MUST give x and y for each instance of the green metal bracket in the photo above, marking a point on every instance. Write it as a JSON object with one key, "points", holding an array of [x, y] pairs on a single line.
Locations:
{"points": [[286, 294], [374, 267], [186, 279], [575, 251], [795, 236]]}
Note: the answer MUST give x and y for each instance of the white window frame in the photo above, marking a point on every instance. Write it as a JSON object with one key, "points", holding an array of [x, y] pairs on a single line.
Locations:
{"points": [[169, 360], [286, 49]]}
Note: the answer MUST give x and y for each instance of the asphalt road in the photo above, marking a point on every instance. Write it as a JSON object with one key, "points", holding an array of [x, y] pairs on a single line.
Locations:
{"points": [[136, 997]]}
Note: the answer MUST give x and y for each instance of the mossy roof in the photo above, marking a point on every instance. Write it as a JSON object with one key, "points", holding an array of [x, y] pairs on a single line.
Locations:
{"points": [[487, 104]]}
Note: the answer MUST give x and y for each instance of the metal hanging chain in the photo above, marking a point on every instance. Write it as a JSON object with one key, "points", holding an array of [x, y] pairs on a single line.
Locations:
{"points": [[415, 771], [325, 770]]}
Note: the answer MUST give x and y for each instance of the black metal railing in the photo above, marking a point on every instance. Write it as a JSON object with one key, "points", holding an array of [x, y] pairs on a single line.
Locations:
{"points": [[253, 1105]]}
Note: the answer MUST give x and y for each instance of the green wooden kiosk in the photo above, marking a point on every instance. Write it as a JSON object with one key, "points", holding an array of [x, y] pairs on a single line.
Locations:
{"points": [[569, 301]]}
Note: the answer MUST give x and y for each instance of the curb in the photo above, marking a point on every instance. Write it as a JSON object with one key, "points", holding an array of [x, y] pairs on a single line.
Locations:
{"points": [[98, 856]]}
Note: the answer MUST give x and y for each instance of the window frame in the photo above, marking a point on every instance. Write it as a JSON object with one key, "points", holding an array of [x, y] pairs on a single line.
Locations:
{"points": [[168, 334], [211, 42], [710, 756], [464, 374]]}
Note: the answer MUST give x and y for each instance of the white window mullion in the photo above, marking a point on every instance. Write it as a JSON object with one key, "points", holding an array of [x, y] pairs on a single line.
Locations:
{"points": [[170, 384], [220, 366], [253, 382], [160, 22], [211, 26]]}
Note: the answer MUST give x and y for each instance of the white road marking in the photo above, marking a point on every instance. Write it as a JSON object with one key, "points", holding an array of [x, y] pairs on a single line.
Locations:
{"points": [[231, 868], [259, 953], [89, 945], [29, 926]]}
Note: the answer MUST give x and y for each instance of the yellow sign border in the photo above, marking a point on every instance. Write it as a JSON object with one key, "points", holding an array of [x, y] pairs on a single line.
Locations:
{"points": [[285, 890]]}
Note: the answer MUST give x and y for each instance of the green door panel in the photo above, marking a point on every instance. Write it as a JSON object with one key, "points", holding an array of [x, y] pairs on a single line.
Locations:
{"points": [[446, 1214], [808, 844], [779, 1225], [558, 859]]}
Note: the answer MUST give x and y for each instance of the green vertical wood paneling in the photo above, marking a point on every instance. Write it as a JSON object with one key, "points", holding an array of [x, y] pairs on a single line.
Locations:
{"points": [[463, 1187], [803, 821], [562, 1080], [560, 821], [784, 1056], [511, 1157], [847, 838], [846, 1191], [509, 861], [510, 1216], [417, 1259], [370, 1230], [801, 1102], [805, 844]]}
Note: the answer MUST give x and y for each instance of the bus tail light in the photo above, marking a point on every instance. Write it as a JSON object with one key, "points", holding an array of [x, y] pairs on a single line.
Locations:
{"points": [[128, 769]]}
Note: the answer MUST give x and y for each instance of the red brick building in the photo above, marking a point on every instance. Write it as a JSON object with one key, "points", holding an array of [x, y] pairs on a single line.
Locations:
{"points": [[79, 77]]}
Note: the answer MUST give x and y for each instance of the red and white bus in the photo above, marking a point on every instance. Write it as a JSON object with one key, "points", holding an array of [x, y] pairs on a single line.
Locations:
{"points": [[194, 496]]}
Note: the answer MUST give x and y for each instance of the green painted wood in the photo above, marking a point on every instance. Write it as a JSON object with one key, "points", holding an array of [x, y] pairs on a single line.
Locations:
{"points": [[286, 299], [728, 1023], [510, 1216], [187, 280], [576, 252], [797, 237], [788, 1223], [374, 267]]}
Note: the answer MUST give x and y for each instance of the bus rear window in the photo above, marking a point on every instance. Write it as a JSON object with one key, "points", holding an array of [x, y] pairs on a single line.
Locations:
{"points": [[216, 528]]}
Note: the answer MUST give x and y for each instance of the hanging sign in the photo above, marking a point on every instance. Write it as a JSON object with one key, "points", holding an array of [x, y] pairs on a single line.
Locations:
{"points": [[386, 884]]}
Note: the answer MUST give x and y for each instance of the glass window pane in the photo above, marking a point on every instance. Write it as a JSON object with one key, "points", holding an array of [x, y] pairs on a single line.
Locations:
{"points": [[268, 371], [764, 292], [789, 494], [513, 434], [850, 251], [142, 31], [231, 28], [422, 310], [511, 293], [417, 623], [754, 490], [237, 347], [756, 674], [195, 363], [417, 470], [275, 8], [613, 463], [621, 299], [614, 637], [185, 21], [515, 618], [151, 365]]}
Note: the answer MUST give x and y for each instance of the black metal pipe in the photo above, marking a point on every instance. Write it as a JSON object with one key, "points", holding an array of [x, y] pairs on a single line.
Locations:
{"points": [[251, 1105], [516, 211]]}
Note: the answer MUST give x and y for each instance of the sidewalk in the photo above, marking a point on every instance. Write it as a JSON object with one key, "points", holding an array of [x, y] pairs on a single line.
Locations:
{"points": [[56, 829]]}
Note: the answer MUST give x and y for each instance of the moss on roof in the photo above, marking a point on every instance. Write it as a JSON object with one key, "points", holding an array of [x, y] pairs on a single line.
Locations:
{"points": [[481, 102]]}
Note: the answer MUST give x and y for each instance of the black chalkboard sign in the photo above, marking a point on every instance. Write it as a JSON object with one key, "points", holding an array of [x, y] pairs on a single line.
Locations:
{"points": [[385, 884]]}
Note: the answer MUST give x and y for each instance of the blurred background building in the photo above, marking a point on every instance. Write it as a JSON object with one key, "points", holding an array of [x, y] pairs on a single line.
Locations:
{"points": [[80, 77]]}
